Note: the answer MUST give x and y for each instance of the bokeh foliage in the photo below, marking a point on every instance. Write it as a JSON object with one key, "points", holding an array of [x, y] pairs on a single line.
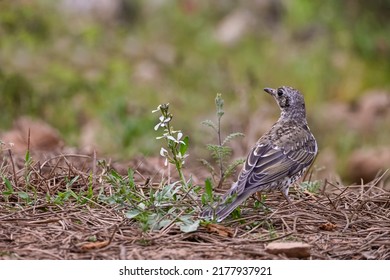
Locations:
{"points": [[73, 68]]}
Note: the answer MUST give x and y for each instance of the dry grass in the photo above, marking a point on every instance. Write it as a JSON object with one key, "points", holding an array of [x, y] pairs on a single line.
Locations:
{"points": [[341, 222]]}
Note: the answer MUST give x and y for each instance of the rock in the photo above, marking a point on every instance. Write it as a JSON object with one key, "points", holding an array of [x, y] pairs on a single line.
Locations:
{"points": [[290, 249], [43, 137], [368, 112], [365, 164], [372, 111], [375, 102]]}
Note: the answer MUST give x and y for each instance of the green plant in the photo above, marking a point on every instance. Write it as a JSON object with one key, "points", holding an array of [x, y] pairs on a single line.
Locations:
{"points": [[170, 203], [9, 190], [154, 209], [163, 208], [221, 152], [311, 186], [208, 196], [177, 145], [28, 162], [268, 225]]}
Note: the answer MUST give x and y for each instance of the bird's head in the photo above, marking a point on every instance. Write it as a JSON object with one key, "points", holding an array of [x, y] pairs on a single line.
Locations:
{"points": [[290, 101]]}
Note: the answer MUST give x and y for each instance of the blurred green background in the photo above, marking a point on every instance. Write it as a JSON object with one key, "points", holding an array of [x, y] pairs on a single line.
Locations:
{"points": [[95, 69]]}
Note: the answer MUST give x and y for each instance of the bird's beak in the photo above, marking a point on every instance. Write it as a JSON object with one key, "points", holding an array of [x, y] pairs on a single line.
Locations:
{"points": [[270, 91]]}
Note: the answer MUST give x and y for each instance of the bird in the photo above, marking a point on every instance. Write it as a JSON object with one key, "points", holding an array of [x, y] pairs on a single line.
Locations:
{"points": [[279, 158]]}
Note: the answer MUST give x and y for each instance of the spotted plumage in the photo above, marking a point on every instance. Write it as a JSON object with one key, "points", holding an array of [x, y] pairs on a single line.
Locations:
{"points": [[279, 158]]}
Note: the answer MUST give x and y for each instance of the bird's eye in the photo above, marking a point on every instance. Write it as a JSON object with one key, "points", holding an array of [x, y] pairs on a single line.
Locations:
{"points": [[280, 92]]}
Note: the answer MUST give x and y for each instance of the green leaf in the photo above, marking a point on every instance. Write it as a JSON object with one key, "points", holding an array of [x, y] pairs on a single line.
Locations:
{"points": [[236, 214], [184, 147], [208, 165], [204, 199], [219, 153], [74, 195], [232, 167], [163, 223], [311, 186], [130, 174], [211, 124], [6, 193], [231, 136], [132, 213], [27, 157], [23, 195], [142, 206], [190, 227], [115, 174], [92, 238], [208, 187], [8, 185], [152, 221], [71, 182]]}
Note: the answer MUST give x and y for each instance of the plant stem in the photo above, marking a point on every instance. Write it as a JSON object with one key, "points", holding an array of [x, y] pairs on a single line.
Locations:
{"points": [[178, 163], [219, 104], [220, 153]]}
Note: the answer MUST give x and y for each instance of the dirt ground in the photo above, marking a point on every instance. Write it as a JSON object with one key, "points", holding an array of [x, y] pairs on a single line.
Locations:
{"points": [[339, 222]]}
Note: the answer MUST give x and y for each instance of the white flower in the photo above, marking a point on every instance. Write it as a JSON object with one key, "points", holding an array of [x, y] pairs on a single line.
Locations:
{"points": [[158, 109], [176, 140], [161, 123], [164, 153]]}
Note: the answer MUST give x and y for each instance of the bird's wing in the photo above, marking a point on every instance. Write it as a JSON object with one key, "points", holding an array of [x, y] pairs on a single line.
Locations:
{"points": [[268, 163]]}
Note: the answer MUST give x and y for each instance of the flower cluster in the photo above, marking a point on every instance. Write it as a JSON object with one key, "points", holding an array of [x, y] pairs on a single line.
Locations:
{"points": [[177, 144]]}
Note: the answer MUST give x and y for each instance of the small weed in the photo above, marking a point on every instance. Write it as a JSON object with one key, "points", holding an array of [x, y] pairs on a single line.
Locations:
{"points": [[170, 203], [9, 189], [271, 229], [122, 188], [62, 197], [92, 238], [208, 197], [311, 186], [221, 152], [162, 208]]}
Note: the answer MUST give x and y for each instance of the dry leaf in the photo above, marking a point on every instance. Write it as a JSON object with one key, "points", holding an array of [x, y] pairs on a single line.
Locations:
{"points": [[95, 245], [220, 230], [328, 226]]}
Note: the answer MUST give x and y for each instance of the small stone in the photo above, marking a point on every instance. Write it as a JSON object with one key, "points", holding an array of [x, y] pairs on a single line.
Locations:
{"points": [[290, 249]]}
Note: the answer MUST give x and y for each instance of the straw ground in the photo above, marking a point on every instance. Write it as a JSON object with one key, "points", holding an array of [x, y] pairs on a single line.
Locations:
{"points": [[62, 207]]}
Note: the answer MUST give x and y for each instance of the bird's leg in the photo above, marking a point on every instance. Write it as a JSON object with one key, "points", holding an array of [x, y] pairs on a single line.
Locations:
{"points": [[285, 194]]}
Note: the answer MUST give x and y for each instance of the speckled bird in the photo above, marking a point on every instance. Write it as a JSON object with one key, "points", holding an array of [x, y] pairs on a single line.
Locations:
{"points": [[279, 158]]}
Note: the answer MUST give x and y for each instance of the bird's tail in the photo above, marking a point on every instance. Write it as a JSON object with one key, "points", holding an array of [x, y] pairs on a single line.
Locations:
{"points": [[221, 210]]}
